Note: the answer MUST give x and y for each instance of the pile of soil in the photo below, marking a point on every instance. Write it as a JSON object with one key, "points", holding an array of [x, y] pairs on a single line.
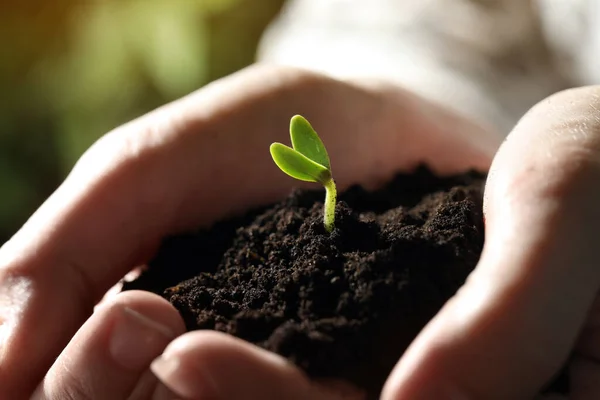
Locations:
{"points": [[341, 305]]}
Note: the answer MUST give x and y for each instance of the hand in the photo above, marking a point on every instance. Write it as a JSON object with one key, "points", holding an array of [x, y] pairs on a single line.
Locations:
{"points": [[180, 167], [532, 300]]}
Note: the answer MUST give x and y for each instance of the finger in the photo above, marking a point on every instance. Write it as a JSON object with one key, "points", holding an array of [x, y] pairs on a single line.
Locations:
{"points": [[207, 365], [512, 325], [183, 166], [110, 353]]}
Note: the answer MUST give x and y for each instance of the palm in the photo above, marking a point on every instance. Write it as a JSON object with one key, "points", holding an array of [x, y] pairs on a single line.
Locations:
{"points": [[187, 165], [371, 132]]}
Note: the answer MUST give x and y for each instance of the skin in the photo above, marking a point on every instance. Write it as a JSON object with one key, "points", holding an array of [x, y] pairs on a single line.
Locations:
{"points": [[530, 302]]}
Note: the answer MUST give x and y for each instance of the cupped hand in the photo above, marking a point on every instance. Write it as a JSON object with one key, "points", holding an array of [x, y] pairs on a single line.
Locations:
{"points": [[531, 305], [183, 166]]}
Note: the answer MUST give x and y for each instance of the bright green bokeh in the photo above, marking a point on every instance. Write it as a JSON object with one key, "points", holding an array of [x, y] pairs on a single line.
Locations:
{"points": [[70, 71]]}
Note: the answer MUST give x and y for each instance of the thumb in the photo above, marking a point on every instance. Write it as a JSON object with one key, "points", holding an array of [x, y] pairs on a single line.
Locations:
{"points": [[512, 325]]}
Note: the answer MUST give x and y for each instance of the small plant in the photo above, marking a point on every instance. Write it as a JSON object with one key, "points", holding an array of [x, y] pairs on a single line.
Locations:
{"points": [[307, 160]]}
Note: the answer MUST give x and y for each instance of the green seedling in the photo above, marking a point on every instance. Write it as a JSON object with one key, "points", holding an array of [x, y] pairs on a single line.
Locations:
{"points": [[307, 160]]}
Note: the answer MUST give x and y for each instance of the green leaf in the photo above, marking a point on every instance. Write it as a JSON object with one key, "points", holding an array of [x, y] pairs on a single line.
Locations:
{"points": [[298, 165], [306, 141]]}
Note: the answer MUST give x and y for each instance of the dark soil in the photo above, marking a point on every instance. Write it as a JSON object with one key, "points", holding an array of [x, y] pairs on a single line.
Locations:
{"points": [[340, 305]]}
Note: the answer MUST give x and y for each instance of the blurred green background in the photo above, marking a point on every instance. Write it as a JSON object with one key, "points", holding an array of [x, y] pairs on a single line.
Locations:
{"points": [[71, 70]]}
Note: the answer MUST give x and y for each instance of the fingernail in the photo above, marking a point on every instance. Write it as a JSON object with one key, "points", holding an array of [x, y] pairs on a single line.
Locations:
{"points": [[184, 380], [137, 339]]}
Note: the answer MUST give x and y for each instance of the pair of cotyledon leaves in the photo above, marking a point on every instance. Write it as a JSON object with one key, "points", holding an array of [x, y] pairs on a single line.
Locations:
{"points": [[307, 159]]}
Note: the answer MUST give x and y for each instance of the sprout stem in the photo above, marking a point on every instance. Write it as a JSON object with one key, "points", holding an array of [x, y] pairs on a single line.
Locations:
{"points": [[329, 207]]}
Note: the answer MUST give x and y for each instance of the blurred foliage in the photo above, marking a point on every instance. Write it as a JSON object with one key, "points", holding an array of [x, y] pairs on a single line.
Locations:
{"points": [[71, 70]]}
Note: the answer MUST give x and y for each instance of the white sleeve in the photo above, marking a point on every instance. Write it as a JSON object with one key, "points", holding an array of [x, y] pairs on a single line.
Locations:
{"points": [[572, 29], [487, 60]]}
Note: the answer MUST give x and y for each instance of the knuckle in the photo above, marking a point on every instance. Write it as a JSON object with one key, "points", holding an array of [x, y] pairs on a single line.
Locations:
{"points": [[73, 389], [126, 146], [559, 140], [74, 392], [585, 98], [114, 150], [65, 383], [571, 116]]}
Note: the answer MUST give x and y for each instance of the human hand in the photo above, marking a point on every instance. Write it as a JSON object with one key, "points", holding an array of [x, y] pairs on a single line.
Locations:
{"points": [[168, 172], [533, 298]]}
